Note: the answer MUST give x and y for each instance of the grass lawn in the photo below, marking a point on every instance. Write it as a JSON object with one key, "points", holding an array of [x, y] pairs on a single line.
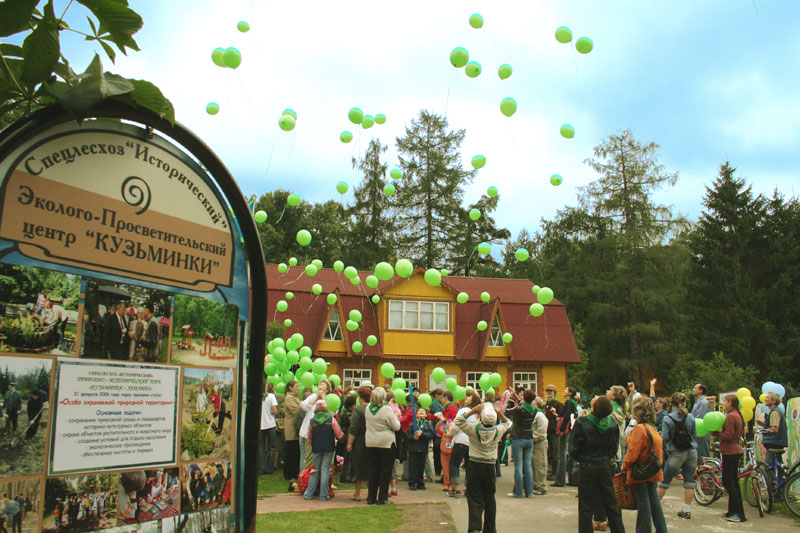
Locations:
{"points": [[270, 484], [350, 520]]}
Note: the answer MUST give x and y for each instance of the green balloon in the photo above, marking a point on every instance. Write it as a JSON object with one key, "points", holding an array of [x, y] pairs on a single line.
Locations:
{"points": [[508, 106], [404, 268], [232, 57], [338, 266], [484, 248], [400, 396], [490, 391], [305, 351], [398, 383], [350, 272], [332, 299], [355, 315], [305, 363], [433, 277], [217, 57], [522, 254], [556, 179], [335, 379], [307, 379], [292, 357], [536, 309], [584, 45], [279, 354], [484, 382], [388, 189], [319, 366], [376, 299], [476, 21], [485, 297], [355, 115], [260, 217], [317, 263], [243, 26], [282, 305], [303, 237], [425, 400], [297, 340], [459, 57], [495, 379], [294, 199], [384, 271], [351, 325], [451, 384], [507, 337], [290, 111], [478, 161], [396, 173], [333, 401], [563, 34], [535, 289], [545, 295], [287, 323], [279, 343], [346, 136], [316, 288], [462, 297], [292, 261], [357, 347], [567, 131], [212, 108], [474, 214], [444, 272], [460, 392], [269, 369], [311, 270], [372, 281], [504, 71], [387, 370], [380, 118], [492, 191], [482, 325], [287, 377], [438, 374], [283, 267], [286, 122], [367, 122], [473, 69], [372, 340], [355, 280]]}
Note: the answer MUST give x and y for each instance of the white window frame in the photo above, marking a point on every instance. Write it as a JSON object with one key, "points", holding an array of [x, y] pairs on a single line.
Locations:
{"points": [[473, 379], [524, 379], [411, 377], [496, 335], [355, 377], [330, 334], [409, 307]]}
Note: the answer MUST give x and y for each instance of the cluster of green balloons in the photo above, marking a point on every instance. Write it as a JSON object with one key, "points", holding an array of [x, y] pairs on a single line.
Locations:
{"points": [[283, 355], [583, 45], [712, 421], [357, 116], [226, 57], [288, 119]]}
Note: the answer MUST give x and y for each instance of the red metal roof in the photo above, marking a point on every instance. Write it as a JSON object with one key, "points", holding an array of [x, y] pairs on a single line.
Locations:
{"points": [[547, 338]]}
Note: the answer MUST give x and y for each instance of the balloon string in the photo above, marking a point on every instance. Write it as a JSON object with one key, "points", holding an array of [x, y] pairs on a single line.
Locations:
{"points": [[468, 341], [282, 212], [470, 258], [295, 281], [535, 262], [312, 303], [294, 136], [489, 35], [274, 144], [247, 96]]}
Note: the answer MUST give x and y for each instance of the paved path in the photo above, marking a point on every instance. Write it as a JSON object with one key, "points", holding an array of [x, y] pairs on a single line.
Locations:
{"points": [[556, 512]]}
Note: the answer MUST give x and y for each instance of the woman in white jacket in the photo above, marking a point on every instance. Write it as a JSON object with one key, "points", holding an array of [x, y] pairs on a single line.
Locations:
{"points": [[306, 457]]}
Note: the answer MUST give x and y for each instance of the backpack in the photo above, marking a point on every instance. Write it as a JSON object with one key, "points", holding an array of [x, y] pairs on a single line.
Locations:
{"points": [[681, 438]]}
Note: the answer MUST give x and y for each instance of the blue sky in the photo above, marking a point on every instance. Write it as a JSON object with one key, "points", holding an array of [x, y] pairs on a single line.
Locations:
{"points": [[708, 81]]}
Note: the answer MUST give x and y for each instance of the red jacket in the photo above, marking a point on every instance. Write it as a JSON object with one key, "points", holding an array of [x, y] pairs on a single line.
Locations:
{"points": [[450, 412], [731, 433]]}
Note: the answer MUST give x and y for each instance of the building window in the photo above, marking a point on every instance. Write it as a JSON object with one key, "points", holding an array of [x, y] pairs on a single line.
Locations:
{"points": [[426, 316], [411, 377], [355, 377], [496, 337], [334, 330], [472, 380], [525, 379]]}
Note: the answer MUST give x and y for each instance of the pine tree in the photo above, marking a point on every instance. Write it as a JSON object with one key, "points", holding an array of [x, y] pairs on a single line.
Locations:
{"points": [[464, 257], [429, 195]]}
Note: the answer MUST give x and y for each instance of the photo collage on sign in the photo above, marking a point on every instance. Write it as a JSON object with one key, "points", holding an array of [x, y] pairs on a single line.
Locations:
{"points": [[45, 315]]}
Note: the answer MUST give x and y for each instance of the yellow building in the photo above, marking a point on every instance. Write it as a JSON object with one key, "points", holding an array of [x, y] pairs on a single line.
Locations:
{"points": [[418, 327]]}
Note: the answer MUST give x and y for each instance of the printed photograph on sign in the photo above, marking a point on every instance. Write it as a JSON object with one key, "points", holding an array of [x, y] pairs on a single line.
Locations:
{"points": [[205, 486], [207, 414], [22, 499], [24, 389], [148, 495], [125, 322], [204, 332], [38, 310], [80, 503], [146, 527], [214, 521]]}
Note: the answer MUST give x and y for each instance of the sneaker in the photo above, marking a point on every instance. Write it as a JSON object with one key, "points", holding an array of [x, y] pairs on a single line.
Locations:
{"points": [[556, 485], [686, 515], [679, 477], [393, 493], [539, 492], [454, 494], [600, 526], [512, 495], [734, 518], [412, 487]]}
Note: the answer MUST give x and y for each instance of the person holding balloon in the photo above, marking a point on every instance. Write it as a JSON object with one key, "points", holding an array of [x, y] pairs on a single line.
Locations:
{"points": [[731, 450], [323, 432], [306, 453]]}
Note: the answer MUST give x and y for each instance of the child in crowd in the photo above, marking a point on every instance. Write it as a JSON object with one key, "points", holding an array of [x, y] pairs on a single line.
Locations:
{"points": [[418, 440], [323, 431]]}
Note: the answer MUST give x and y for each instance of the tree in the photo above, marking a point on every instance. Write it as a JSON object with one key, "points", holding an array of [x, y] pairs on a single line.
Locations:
{"points": [[719, 374], [37, 73], [464, 257], [428, 200]]}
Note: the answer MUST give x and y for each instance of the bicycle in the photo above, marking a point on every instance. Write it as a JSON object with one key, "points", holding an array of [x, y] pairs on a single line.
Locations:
{"points": [[709, 487], [783, 483]]}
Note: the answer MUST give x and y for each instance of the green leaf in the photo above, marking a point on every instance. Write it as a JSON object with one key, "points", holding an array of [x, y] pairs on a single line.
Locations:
{"points": [[117, 18], [14, 15], [109, 51], [93, 86], [11, 70], [8, 91], [91, 23], [150, 97], [10, 50], [41, 49]]}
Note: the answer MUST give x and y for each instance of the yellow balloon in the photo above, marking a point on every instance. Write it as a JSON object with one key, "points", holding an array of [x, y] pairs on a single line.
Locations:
{"points": [[748, 402], [747, 414], [742, 392], [762, 398]]}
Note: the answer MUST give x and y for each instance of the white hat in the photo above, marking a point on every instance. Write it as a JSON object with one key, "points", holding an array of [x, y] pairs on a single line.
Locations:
{"points": [[488, 415]]}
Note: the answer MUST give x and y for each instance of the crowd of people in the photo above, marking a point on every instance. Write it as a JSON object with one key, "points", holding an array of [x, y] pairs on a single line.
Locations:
{"points": [[82, 511], [646, 441], [13, 510]]}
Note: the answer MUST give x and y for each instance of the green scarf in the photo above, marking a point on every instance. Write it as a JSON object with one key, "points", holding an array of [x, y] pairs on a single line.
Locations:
{"points": [[322, 416], [601, 424], [529, 408], [616, 405], [374, 409], [575, 402]]}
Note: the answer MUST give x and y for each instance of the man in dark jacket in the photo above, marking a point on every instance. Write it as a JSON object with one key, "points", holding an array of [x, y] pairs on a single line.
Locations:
{"points": [[552, 410], [35, 405], [115, 327], [593, 443], [12, 404]]}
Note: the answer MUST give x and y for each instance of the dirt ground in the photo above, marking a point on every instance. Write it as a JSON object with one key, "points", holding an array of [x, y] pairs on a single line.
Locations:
{"points": [[25, 459], [431, 517], [222, 442], [192, 357]]}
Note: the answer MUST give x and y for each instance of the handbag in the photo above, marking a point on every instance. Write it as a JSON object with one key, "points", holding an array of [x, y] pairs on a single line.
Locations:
{"points": [[563, 426], [626, 499], [644, 471]]}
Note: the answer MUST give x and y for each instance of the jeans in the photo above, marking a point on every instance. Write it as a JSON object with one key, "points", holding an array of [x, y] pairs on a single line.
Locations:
{"points": [[561, 471], [292, 462], [481, 485], [684, 461], [266, 451], [521, 451], [702, 447], [460, 452], [320, 477], [649, 508], [437, 456], [596, 489], [416, 468], [730, 480], [552, 452], [381, 462], [540, 464]]}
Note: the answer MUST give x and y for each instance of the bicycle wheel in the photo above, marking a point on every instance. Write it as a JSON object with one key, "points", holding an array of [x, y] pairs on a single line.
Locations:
{"points": [[791, 493], [706, 489], [756, 487]]}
